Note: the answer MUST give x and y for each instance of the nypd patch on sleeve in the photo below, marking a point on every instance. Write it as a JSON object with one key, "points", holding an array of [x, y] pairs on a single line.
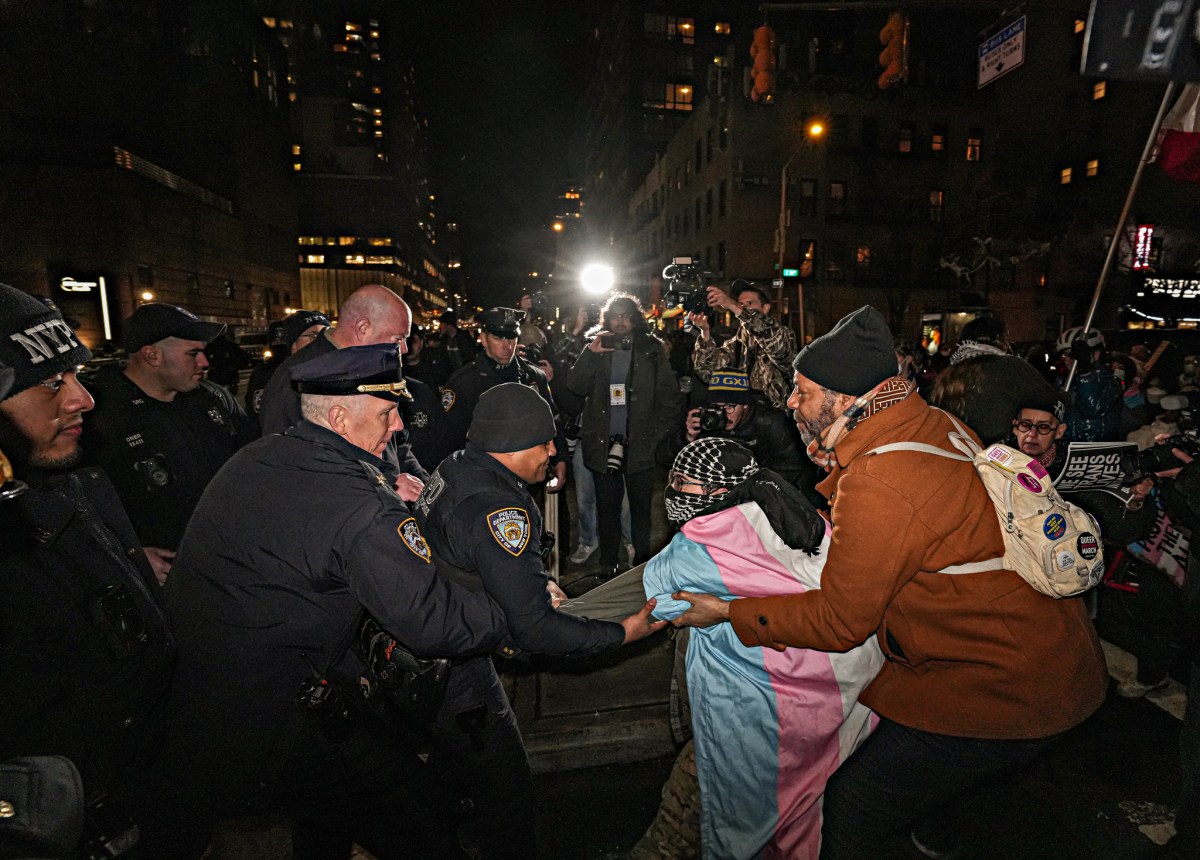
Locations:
{"points": [[448, 399], [510, 528], [410, 533]]}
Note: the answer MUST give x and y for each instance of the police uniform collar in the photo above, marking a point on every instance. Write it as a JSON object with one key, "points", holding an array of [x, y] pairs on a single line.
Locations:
{"points": [[311, 432], [476, 456]]}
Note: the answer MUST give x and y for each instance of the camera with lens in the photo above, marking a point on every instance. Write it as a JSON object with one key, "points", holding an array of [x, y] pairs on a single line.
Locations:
{"points": [[539, 304], [616, 454], [532, 353], [1160, 458], [685, 285], [712, 420], [615, 341], [154, 471]]}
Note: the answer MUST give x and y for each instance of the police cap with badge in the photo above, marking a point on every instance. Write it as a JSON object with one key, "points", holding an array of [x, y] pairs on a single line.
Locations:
{"points": [[373, 369], [502, 322]]}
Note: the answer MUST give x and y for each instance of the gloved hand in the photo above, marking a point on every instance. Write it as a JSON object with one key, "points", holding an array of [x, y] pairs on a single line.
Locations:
{"points": [[1082, 353]]}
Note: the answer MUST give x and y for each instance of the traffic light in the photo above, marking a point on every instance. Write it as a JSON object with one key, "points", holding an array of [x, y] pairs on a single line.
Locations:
{"points": [[894, 57], [762, 50]]}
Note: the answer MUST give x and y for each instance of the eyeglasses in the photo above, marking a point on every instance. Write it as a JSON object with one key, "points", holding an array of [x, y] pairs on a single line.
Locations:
{"points": [[677, 481], [614, 317], [728, 407], [1042, 428]]}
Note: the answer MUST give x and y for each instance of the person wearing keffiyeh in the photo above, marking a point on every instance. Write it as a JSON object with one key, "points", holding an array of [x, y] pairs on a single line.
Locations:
{"points": [[981, 672]]}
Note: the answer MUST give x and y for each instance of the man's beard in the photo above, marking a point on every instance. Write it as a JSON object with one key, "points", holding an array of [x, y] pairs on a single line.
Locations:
{"points": [[825, 418], [23, 457]]}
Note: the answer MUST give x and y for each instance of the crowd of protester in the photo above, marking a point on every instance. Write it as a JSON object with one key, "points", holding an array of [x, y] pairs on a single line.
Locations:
{"points": [[219, 562]]}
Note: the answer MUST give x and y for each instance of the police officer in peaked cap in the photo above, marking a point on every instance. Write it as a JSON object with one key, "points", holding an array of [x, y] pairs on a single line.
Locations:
{"points": [[266, 608], [486, 531], [499, 362]]}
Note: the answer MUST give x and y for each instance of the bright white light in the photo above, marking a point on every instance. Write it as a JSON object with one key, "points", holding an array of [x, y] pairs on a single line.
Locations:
{"points": [[597, 278]]}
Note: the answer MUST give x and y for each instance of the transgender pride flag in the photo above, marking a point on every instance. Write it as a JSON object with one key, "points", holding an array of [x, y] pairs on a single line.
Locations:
{"points": [[770, 726]]}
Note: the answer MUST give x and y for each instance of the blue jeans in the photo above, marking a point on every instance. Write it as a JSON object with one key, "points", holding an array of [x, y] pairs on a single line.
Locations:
{"points": [[585, 503], [899, 775]]}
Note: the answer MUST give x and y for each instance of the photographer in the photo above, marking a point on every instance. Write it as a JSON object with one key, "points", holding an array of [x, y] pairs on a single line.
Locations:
{"points": [[624, 386], [762, 347], [733, 412]]}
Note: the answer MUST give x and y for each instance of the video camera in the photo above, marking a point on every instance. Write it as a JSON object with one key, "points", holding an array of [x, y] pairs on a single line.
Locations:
{"points": [[1159, 458], [685, 285]]}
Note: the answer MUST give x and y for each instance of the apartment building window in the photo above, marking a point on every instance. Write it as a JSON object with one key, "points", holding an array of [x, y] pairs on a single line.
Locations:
{"points": [[975, 144], [676, 232], [1099, 90], [699, 154], [937, 141], [835, 256], [671, 27], [869, 134], [687, 223], [698, 221], [720, 259], [722, 194], [1080, 25], [193, 284], [906, 138], [722, 28], [862, 259], [314, 258], [708, 208], [723, 139], [1064, 176], [1093, 167], [837, 197], [937, 198], [808, 197]]}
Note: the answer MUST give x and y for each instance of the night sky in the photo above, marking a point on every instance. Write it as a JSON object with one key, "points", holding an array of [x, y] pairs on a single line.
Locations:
{"points": [[500, 84]]}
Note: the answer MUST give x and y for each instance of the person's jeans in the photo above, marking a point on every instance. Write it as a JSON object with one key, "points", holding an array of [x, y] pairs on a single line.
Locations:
{"points": [[585, 503], [899, 775], [610, 487]]}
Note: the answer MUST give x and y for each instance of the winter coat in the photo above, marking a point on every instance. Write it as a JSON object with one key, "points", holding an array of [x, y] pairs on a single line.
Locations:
{"points": [[652, 393], [762, 347], [1095, 416], [974, 655]]}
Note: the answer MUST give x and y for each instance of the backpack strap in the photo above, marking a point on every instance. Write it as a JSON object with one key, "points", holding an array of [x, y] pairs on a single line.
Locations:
{"points": [[921, 447]]}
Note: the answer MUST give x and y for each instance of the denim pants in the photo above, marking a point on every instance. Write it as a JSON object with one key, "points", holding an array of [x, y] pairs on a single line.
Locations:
{"points": [[585, 503], [899, 775]]}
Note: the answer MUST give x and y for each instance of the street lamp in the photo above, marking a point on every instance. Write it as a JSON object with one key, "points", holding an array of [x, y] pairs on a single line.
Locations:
{"points": [[813, 132]]}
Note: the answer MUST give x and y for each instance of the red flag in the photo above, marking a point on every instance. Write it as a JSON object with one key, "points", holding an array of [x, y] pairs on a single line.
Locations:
{"points": [[1179, 145]]}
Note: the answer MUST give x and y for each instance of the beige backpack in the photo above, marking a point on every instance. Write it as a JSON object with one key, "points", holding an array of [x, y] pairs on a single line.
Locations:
{"points": [[1053, 544]]}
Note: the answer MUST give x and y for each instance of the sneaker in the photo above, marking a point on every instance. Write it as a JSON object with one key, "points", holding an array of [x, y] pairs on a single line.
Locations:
{"points": [[582, 553], [1135, 689], [630, 552]]}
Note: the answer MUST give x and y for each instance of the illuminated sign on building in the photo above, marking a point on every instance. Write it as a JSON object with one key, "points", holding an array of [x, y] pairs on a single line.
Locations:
{"points": [[1143, 247], [1175, 288], [87, 287]]}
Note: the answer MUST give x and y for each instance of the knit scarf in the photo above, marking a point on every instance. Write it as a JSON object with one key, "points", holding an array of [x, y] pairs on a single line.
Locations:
{"points": [[887, 393]]}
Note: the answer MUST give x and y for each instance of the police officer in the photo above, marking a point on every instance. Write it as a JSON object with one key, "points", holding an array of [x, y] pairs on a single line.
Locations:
{"points": [[284, 338], [160, 429], [486, 532], [85, 652], [499, 362], [265, 608]]}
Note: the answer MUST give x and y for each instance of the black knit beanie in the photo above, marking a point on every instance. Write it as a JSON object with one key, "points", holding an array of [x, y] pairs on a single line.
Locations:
{"points": [[852, 357], [511, 417], [34, 340]]}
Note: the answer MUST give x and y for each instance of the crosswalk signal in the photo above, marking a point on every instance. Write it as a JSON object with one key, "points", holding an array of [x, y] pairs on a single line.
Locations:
{"points": [[763, 51], [894, 57]]}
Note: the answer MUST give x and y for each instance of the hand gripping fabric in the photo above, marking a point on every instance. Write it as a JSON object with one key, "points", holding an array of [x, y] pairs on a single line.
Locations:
{"points": [[1053, 544]]}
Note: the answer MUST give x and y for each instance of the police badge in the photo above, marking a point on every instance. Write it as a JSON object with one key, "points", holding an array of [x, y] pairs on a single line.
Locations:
{"points": [[410, 533], [448, 399], [510, 528]]}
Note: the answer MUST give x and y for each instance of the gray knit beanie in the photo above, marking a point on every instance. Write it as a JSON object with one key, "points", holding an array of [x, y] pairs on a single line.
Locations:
{"points": [[35, 341]]}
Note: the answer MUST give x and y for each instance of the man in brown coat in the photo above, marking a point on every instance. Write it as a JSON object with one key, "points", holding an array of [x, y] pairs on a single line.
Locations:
{"points": [[982, 672]]}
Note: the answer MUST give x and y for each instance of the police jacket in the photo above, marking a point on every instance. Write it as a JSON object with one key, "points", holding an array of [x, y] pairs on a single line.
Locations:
{"points": [[84, 645], [281, 406], [161, 455], [486, 529], [257, 384], [464, 387], [256, 597], [652, 395], [422, 418], [769, 436]]}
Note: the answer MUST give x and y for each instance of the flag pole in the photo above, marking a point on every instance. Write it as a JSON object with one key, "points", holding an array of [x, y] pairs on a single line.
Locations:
{"points": [[1147, 155]]}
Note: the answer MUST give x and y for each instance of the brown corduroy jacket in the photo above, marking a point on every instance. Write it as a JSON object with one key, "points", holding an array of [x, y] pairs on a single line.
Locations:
{"points": [[974, 655]]}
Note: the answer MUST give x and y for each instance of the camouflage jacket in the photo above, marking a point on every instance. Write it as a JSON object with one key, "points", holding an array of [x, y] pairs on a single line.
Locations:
{"points": [[762, 348]]}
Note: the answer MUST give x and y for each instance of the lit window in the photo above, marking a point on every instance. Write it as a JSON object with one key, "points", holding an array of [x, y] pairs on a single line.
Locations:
{"points": [[936, 198], [721, 61], [314, 258], [339, 48], [937, 140], [286, 24], [1093, 167], [377, 90], [376, 56], [377, 111], [378, 122], [1064, 176], [355, 259], [906, 138], [974, 145], [862, 258], [296, 166], [379, 241], [270, 22], [722, 28], [378, 132], [351, 27], [1080, 25], [347, 240], [295, 149], [292, 96], [1099, 90]]}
